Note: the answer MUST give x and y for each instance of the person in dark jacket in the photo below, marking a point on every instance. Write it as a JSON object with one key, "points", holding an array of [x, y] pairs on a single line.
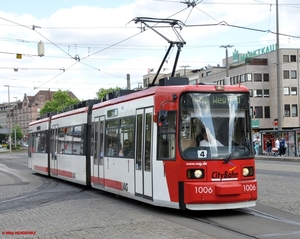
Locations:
{"points": [[282, 146], [269, 146]]}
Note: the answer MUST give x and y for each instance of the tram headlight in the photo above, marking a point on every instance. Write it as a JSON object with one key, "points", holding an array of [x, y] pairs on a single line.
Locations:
{"points": [[245, 172], [248, 171], [198, 173], [195, 173]]}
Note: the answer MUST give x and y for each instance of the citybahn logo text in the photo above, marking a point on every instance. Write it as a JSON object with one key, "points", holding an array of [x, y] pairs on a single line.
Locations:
{"points": [[226, 176]]}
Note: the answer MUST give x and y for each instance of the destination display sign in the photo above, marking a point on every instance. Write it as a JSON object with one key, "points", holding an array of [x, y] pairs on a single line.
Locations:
{"points": [[222, 100]]}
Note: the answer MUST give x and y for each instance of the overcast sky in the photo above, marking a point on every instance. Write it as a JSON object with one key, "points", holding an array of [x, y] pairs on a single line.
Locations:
{"points": [[93, 44]]}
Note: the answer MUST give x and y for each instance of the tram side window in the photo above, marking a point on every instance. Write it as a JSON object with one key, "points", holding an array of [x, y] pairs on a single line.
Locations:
{"points": [[166, 137], [120, 138], [94, 140], [112, 134], [31, 144], [39, 142], [70, 140], [127, 137]]}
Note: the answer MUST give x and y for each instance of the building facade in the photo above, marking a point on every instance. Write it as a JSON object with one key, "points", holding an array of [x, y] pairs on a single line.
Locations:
{"points": [[23, 112], [258, 72]]}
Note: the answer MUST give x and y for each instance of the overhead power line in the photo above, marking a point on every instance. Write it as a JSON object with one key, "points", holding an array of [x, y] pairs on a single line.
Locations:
{"points": [[224, 23]]}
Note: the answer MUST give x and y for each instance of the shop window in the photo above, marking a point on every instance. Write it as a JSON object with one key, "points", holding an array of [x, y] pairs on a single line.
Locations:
{"points": [[258, 111], [293, 58], [286, 75], [293, 74], [266, 77], [251, 93], [248, 77], [257, 93], [285, 58], [267, 112], [287, 111], [257, 77], [294, 110], [286, 91], [266, 93], [242, 78], [234, 80], [293, 90]]}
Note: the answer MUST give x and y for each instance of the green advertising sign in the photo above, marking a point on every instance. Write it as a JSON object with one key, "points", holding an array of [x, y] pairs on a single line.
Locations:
{"points": [[255, 123], [236, 57]]}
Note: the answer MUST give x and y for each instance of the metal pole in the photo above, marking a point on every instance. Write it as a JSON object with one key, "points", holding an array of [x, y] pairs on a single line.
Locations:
{"points": [[184, 69], [9, 135], [279, 82], [16, 109], [227, 65], [128, 81]]}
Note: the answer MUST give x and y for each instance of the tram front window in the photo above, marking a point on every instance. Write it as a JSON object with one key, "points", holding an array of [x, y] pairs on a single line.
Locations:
{"points": [[215, 125]]}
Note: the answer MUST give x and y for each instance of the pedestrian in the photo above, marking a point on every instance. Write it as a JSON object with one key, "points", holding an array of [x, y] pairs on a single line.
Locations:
{"points": [[256, 145], [277, 145], [282, 147], [269, 146]]}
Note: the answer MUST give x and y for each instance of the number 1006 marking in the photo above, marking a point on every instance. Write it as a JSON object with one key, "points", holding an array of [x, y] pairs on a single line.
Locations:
{"points": [[204, 189], [249, 187]]}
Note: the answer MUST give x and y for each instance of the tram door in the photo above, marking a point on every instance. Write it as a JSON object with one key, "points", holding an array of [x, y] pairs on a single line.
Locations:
{"points": [[30, 149], [143, 163], [54, 151], [98, 164]]}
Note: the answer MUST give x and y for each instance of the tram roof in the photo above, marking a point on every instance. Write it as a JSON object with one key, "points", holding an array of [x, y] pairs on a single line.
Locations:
{"points": [[169, 90], [39, 121]]}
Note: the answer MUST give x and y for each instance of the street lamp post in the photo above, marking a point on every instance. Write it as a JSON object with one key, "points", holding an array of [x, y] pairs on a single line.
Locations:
{"points": [[279, 82], [16, 118], [227, 65], [184, 69], [9, 134]]}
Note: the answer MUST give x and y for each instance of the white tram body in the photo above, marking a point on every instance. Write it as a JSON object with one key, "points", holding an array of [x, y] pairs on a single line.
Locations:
{"points": [[67, 159], [124, 176], [38, 160]]}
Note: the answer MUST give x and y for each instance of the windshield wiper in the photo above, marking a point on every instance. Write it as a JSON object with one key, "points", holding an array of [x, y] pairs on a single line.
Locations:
{"points": [[233, 151]]}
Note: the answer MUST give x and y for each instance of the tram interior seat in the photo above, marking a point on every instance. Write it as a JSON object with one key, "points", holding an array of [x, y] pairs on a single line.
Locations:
{"points": [[186, 143]]}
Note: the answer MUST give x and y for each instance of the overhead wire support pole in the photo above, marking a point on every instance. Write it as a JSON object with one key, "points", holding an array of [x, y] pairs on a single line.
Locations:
{"points": [[162, 63], [174, 24], [9, 118], [179, 46], [279, 82]]}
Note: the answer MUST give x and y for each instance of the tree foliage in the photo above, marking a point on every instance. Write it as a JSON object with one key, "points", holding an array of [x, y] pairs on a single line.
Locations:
{"points": [[102, 92], [19, 133], [60, 100], [2, 136]]}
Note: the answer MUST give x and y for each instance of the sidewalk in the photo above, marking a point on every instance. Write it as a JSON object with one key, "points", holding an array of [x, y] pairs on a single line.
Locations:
{"points": [[260, 157], [279, 158], [5, 150]]}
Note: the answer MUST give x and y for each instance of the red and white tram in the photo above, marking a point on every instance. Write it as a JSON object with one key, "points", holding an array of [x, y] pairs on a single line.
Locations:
{"points": [[38, 159], [176, 146]]}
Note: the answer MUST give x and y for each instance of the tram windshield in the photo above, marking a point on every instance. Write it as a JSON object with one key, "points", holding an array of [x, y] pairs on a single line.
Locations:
{"points": [[215, 125]]}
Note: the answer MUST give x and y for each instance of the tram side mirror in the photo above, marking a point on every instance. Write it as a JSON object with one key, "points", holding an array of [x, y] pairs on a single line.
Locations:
{"points": [[162, 117]]}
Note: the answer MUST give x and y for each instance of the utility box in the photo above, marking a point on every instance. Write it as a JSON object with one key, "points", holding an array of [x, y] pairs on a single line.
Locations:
{"points": [[167, 81]]}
